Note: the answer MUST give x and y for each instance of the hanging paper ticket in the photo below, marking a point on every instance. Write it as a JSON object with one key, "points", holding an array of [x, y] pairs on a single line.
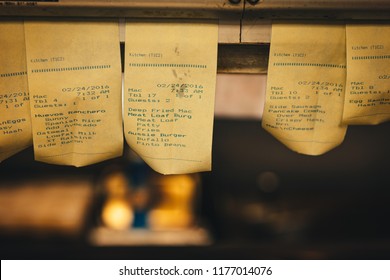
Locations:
{"points": [[170, 76], [367, 96], [305, 87], [15, 125], [74, 75]]}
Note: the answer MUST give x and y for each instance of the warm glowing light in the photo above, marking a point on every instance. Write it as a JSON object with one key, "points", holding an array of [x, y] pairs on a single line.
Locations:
{"points": [[117, 214], [175, 210]]}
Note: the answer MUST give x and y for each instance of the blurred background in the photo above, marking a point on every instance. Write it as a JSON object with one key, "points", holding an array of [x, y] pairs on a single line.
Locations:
{"points": [[260, 201]]}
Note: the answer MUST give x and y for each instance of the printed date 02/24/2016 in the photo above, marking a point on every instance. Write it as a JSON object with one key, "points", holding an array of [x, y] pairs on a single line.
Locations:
{"points": [[90, 92], [85, 88], [183, 89], [236, 270]]}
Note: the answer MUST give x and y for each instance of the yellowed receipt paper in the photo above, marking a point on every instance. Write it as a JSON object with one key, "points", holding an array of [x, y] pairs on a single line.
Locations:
{"points": [[305, 86], [367, 96], [15, 125], [74, 76], [170, 76]]}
